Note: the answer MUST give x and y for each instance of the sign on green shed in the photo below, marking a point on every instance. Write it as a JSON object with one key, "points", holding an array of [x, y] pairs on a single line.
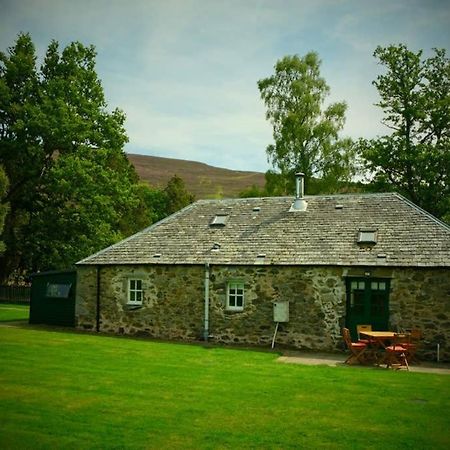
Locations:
{"points": [[53, 298]]}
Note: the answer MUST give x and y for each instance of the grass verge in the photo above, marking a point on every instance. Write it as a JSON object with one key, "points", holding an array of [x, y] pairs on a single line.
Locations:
{"points": [[69, 390], [10, 311]]}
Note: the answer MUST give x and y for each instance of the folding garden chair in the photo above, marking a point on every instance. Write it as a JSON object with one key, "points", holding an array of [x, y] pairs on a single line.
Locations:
{"points": [[396, 354], [357, 349], [360, 328], [415, 335]]}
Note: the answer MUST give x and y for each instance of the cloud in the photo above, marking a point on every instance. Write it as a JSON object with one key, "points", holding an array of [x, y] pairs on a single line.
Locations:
{"points": [[185, 71]]}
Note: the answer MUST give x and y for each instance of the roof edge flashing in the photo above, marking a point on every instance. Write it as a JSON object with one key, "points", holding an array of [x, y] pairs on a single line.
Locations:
{"points": [[300, 204]]}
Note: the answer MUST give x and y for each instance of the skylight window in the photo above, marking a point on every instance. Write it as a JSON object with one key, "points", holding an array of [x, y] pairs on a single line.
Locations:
{"points": [[367, 237], [219, 220]]}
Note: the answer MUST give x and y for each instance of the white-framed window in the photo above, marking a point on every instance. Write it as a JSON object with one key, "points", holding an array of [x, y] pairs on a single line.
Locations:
{"points": [[235, 296], [135, 292]]}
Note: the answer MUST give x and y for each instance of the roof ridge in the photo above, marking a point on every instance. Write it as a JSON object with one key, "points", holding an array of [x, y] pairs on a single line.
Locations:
{"points": [[286, 197]]}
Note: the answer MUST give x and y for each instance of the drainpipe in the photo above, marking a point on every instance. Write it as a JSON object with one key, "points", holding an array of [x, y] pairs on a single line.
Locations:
{"points": [[206, 329], [98, 301]]}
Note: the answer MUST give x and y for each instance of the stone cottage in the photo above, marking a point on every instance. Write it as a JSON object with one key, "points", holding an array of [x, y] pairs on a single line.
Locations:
{"points": [[233, 271]]}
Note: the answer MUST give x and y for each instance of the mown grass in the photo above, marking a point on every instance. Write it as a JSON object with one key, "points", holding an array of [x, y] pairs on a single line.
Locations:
{"points": [[10, 311], [69, 390]]}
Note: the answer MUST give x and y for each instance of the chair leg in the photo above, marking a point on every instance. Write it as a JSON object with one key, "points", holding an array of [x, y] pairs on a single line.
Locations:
{"points": [[397, 361], [356, 357]]}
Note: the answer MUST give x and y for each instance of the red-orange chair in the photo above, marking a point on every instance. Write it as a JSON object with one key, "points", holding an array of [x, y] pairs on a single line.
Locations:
{"points": [[357, 349], [396, 354], [411, 345], [360, 328]]}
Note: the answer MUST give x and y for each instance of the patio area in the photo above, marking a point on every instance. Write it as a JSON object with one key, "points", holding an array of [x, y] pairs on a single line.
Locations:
{"points": [[337, 359]]}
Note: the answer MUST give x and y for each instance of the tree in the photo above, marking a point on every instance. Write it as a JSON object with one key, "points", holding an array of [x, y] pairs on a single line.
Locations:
{"points": [[306, 134], [253, 191], [72, 189], [177, 196], [3, 206], [415, 158]]}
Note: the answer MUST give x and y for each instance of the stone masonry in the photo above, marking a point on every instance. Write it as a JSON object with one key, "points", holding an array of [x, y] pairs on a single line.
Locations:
{"points": [[173, 304]]}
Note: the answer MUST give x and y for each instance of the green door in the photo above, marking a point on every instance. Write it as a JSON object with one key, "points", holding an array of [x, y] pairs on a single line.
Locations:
{"points": [[367, 303]]}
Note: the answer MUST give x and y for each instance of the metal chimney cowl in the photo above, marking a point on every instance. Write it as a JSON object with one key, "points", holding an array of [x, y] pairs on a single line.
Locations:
{"points": [[300, 204]]}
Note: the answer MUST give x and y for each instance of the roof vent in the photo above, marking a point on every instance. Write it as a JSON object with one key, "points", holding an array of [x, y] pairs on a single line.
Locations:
{"points": [[300, 204], [339, 206], [157, 255], [257, 209]]}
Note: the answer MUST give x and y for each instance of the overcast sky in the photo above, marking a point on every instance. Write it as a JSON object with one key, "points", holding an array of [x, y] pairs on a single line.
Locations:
{"points": [[185, 71]]}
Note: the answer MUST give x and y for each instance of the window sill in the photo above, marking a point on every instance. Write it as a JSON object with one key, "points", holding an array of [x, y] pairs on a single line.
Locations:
{"points": [[234, 311], [129, 307]]}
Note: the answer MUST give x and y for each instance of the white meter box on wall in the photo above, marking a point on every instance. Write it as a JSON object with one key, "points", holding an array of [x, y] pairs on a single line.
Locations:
{"points": [[281, 311]]}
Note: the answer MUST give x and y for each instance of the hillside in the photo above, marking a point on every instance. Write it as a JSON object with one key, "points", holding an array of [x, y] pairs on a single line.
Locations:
{"points": [[202, 180]]}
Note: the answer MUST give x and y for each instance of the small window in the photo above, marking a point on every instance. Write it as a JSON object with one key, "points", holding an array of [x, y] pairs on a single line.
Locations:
{"points": [[235, 296], [367, 237], [58, 290], [358, 285], [219, 220], [378, 286], [135, 292]]}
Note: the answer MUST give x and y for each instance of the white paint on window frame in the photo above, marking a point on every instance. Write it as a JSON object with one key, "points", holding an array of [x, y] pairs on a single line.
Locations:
{"points": [[135, 291], [235, 295]]}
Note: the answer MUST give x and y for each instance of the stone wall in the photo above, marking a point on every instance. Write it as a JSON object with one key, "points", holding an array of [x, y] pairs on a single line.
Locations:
{"points": [[420, 298], [173, 306], [316, 306]]}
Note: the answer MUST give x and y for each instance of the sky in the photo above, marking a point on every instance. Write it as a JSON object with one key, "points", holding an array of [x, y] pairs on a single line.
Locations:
{"points": [[185, 72]]}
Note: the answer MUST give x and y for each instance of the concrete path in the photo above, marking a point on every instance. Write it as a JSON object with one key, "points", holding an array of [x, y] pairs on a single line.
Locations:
{"points": [[336, 359]]}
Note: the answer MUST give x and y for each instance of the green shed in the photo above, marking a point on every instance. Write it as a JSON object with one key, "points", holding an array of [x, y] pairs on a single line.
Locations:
{"points": [[53, 298]]}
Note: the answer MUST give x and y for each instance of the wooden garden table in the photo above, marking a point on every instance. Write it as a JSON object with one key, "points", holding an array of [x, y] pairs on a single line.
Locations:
{"points": [[380, 337]]}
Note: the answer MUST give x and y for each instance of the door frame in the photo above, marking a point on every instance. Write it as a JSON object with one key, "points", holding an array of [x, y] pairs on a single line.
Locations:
{"points": [[371, 288]]}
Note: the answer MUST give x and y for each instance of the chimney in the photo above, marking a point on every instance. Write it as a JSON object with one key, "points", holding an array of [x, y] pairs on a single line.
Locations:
{"points": [[300, 203]]}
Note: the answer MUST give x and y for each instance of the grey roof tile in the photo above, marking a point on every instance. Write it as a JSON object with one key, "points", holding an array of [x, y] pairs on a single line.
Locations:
{"points": [[321, 235]]}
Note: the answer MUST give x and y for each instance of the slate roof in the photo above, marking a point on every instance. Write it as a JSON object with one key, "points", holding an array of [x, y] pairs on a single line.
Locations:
{"points": [[263, 231]]}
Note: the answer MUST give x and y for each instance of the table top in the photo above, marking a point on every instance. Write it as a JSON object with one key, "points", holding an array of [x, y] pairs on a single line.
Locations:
{"points": [[378, 334]]}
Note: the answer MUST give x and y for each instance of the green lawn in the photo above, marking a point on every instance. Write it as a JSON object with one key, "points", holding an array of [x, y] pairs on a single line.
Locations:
{"points": [[9, 311], [68, 390]]}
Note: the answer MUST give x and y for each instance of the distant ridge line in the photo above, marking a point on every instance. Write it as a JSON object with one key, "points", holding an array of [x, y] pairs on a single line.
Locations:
{"points": [[203, 180]]}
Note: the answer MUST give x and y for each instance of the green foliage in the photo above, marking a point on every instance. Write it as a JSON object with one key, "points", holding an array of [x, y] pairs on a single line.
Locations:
{"points": [[415, 158], [191, 397], [177, 196], [156, 204], [72, 189], [253, 192], [82, 202], [3, 206], [306, 133]]}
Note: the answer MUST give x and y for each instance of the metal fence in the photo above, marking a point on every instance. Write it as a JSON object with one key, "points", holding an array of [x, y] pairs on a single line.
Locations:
{"points": [[15, 294]]}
